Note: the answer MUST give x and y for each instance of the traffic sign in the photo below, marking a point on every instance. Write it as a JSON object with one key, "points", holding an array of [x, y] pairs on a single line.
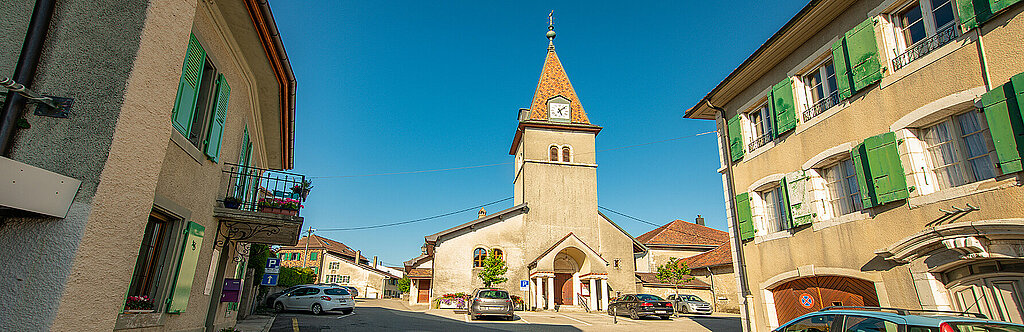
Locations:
{"points": [[273, 266], [269, 279], [524, 285]]}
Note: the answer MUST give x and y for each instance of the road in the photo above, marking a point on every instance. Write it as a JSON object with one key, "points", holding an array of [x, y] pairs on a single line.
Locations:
{"points": [[394, 315]]}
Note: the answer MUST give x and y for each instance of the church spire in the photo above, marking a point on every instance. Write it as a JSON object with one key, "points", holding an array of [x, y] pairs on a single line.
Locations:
{"points": [[553, 83]]}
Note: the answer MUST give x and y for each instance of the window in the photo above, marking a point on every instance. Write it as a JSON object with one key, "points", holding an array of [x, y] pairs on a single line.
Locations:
{"points": [[822, 91], [922, 27], [869, 324], [761, 127], [498, 253], [479, 255], [297, 256], [148, 266], [334, 278], [961, 150], [312, 256], [334, 265], [820, 323], [773, 219], [566, 154], [344, 279], [201, 103], [843, 190], [554, 153]]}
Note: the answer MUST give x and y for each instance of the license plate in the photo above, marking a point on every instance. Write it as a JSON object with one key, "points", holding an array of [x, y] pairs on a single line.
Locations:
{"points": [[661, 312], [494, 307]]}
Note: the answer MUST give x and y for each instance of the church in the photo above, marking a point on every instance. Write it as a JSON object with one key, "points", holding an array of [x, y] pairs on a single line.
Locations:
{"points": [[553, 235]]}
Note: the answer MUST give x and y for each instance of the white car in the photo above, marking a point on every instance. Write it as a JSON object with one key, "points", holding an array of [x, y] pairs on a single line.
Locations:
{"points": [[318, 299]]}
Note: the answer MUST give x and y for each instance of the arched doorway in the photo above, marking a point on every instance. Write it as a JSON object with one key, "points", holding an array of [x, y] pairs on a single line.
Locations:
{"points": [[567, 267], [990, 287], [809, 294]]}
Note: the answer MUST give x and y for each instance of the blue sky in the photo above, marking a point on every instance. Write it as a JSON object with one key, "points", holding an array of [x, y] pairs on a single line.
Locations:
{"points": [[415, 85]]}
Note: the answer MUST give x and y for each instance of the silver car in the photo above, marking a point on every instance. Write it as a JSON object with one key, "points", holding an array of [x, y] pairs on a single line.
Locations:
{"points": [[688, 304], [491, 302], [318, 299]]}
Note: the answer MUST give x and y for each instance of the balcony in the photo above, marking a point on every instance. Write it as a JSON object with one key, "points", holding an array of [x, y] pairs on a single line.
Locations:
{"points": [[761, 141], [261, 205], [821, 106], [923, 47]]}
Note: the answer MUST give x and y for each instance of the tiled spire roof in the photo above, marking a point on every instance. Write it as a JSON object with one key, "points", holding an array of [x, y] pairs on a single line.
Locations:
{"points": [[554, 82]]}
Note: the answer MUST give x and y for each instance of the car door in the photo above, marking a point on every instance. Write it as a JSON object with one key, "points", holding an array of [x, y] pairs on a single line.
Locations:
{"points": [[855, 323], [307, 299], [816, 323], [299, 297], [629, 303]]}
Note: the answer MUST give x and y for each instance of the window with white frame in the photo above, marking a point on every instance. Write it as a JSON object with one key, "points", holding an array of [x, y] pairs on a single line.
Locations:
{"points": [[334, 278], [334, 265], [921, 27], [960, 149], [843, 190], [760, 127], [821, 90], [772, 218]]}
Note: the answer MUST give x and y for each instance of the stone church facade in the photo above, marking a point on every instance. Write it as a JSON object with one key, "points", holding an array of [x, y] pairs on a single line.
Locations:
{"points": [[554, 235]]}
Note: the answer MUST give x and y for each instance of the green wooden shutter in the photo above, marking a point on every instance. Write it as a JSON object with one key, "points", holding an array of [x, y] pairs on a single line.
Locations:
{"points": [[787, 213], [968, 18], [996, 6], [744, 217], [800, 202], [879, 170], [784, 106], [867, 191], [841, 62], [312, 256], [187, 264], [975, 12], [735, 138], [188, 87], [862, 52], [1002, 106], [218, 116]]}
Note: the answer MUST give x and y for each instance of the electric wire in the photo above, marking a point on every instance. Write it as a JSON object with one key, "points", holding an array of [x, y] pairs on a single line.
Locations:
{"points": [[412, 221]]}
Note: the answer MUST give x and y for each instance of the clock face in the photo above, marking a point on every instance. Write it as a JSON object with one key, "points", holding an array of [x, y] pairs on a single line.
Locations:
{"points": [[559, 111]]}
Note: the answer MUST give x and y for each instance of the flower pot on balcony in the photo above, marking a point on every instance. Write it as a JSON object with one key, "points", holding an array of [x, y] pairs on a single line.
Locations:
{"points": [[287, 212], [138, 311]]}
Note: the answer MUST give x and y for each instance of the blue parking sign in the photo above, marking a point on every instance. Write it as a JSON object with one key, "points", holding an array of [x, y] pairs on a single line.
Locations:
{"points": [[269, 280], [524, 285], [273, 263]]}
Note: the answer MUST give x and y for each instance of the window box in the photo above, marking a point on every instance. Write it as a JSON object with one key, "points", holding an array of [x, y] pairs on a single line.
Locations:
{"points": [[287, 212], [138, 311]]}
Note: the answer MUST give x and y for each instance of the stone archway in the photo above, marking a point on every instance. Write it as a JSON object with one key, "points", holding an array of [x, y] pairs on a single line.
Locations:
{"points": [[567, 269], [808, 294]]}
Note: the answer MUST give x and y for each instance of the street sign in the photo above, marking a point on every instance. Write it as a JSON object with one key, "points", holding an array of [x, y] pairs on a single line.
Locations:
{"points": [[273, 266], [524, 285], [269, 279]]}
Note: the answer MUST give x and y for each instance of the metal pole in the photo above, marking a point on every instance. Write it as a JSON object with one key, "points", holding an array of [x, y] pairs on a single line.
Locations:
{"points": [[305, 252], [25, 70]]}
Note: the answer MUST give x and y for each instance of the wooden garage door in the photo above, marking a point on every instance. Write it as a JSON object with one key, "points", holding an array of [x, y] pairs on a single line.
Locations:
{"points": [[810, 294], [424, 291]]}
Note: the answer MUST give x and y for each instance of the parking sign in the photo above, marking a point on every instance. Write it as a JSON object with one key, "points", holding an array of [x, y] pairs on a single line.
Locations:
{"points": [[269, 280], [524, 285], [273, 266]]}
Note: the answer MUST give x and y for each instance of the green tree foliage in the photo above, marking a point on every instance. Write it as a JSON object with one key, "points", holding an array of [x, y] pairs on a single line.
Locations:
{"points": [[291, 276], [403, 285], [674, 272], [494, 270]]}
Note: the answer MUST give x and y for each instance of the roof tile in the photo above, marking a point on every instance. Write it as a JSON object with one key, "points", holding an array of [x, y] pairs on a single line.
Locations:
{"points": [[680, 232]]}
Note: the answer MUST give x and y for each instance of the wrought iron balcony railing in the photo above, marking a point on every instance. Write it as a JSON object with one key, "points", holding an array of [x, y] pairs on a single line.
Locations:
{"points": [[256, 189], [821, 106], [761, 141], [923, 47]]}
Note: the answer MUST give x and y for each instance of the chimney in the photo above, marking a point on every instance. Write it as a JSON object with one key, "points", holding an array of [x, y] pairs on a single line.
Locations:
{"points": [[482, 213], [699, 220], [358, 256], [375, 262]]}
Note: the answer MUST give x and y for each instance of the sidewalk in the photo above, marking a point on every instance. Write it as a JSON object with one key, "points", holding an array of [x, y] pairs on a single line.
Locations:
{"points": [[255, 323]]}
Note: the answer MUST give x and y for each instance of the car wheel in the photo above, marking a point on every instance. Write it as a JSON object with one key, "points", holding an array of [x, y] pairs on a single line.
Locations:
{"points": [[317, 309], [633, 315], [666, 317], [510, 318], [611, 311], [279, 307], [346, 311]]}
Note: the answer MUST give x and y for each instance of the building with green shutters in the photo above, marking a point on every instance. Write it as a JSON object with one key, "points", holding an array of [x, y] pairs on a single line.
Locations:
{"points": [[871, 155], [135, 204]]}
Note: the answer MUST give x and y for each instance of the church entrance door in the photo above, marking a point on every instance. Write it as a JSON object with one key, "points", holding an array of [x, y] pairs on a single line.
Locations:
{"points": [[563, 285]]}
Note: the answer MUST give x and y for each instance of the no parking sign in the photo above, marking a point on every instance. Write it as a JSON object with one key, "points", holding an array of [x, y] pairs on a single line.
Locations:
{"points": [[806, 300]]}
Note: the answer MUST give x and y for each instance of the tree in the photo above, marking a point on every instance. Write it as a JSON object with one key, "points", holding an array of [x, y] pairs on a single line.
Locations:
{"points": [[258, 254], [403, 285], [674, 272], [494, 270], [291, 276]]}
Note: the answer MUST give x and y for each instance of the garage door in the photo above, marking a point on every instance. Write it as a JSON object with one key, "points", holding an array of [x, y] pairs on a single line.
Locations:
{"points": [[804, 295]]}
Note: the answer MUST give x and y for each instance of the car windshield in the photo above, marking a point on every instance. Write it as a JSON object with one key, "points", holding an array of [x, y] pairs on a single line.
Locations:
{"points": [[493, 294], [649, 297], [336, 291], [691, 298], [984, 327]]}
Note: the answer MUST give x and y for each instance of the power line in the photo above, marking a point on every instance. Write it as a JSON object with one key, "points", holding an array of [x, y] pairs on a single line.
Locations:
{"points": [[499, 164], [414, 220], [656, 225]]}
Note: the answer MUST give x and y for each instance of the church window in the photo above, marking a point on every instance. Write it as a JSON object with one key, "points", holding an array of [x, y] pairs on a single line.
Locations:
{"points": [[566, 153], [498, 253], [479, 255], [554, 153]]}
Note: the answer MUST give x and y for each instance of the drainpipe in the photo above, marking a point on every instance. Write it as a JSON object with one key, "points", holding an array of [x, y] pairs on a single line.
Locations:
{"points": [[25, 71], [984, 63], [734, 236]]}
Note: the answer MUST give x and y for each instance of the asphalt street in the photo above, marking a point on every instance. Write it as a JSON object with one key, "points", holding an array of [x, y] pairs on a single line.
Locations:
{"points": [[394, 315]]}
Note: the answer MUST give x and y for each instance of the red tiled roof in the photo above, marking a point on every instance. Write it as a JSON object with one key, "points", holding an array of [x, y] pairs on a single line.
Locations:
{"points": [[680, 232], [325, 243], [651, 279], [554, 82], [420, 273], [714, 257]]}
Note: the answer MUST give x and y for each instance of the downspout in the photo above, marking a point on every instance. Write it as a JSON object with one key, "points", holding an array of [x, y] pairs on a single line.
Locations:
{"points": [[734, 236], [25, 70], [714, 296], [984, 63]]}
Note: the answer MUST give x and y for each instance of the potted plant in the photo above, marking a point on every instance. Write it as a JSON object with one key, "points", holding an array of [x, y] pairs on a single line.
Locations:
{"points": [[232, 202], [518, 302], [138, 304], [454, 301], [303, 188], [285, 206]]}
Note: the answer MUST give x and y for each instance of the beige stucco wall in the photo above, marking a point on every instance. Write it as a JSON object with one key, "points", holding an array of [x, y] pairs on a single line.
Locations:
{"points": [[830, 247], [723, 283], [657, 257], [453, 256], [370, 284]]}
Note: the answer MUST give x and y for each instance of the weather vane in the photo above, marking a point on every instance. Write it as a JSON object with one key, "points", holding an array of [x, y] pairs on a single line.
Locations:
{"points": [[551, 18], [551, 29]]}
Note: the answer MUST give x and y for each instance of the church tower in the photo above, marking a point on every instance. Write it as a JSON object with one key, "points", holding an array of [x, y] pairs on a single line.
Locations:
{"points": [[555, 159]]}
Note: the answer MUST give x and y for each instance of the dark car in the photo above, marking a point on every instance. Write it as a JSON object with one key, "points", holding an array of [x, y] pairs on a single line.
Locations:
{"points": [[690, 304], [640, 305], [491, 302], [840, 318]]}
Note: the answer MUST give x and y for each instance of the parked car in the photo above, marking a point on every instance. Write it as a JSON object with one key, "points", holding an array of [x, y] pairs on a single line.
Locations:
{"points": [[640, 305], [353, 290], [879, 319], [491, 302], [690, 304], [272, 297], [318, 299]]}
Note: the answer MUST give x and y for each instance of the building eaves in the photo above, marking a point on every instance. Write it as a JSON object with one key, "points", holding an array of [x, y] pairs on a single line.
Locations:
{"points": [[497, 215]]}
